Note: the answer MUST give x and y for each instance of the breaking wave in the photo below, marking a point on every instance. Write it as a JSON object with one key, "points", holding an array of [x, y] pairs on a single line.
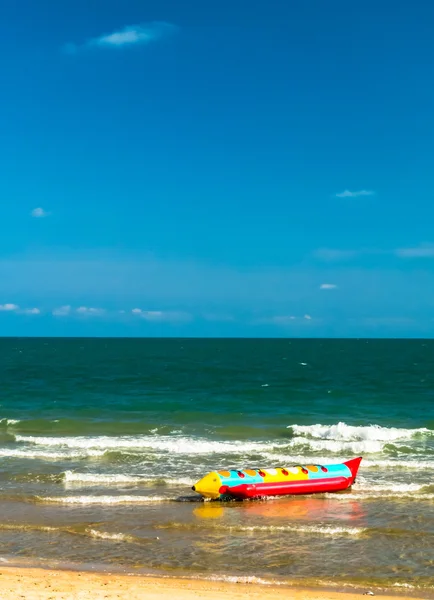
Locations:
{"points": [[172, 444], [343, 432], [331, 440], [9, 422], [371, 439], [337, 447]]}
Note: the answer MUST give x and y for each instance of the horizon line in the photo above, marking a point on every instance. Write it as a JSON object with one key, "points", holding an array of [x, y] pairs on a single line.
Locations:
{"points": [[226, 337]]}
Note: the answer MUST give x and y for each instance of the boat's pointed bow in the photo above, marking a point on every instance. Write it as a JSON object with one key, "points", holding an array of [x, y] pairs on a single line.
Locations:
{"points": [[354, 465]]}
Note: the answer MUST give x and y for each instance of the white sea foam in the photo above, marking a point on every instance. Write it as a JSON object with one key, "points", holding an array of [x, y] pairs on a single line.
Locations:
{"points": [[99, 478], [343, 432], [373, 494], [399, 464], [286, 459], [9, 422], [239, 579], [174, 445], [390, 487], [328, 530], [314, 444], [118, 479], [320, 529], [40, 453], [348, 439], [337, 446], [114, 537], [103, 499]]}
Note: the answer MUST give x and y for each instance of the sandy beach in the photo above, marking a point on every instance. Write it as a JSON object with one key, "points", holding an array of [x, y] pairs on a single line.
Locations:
{"points": [[41, 584]]}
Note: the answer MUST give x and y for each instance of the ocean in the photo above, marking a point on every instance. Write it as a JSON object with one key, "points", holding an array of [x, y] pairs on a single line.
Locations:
{"points": [[102, 439]]}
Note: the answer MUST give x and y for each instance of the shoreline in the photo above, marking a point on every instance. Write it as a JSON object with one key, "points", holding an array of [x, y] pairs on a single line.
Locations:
{"points": [[52, 584]]}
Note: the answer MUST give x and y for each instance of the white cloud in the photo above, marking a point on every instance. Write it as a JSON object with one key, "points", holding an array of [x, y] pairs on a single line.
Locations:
{"points": [[62, 311], [422, 251], [32, 311], [8, 307], [254, 295], [131, 35], [16, 308], [90, 311], [328, 286], [337, 255], [166, 316], [307, 317], [348, 194], [39, 213], [161, 315], [152, 315]]}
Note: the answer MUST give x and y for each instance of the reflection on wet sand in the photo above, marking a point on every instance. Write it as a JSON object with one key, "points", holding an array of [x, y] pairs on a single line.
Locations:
{"points": [[307, 509]]}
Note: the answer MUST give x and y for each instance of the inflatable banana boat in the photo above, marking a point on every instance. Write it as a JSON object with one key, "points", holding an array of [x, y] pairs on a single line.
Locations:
{"points": [[254, 483]]}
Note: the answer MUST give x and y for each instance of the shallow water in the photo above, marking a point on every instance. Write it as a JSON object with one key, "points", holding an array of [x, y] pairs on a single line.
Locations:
{"points": [[101, 440]]}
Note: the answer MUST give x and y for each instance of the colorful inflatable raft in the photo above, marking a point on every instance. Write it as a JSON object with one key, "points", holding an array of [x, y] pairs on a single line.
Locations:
{"points": [[253, 483]]}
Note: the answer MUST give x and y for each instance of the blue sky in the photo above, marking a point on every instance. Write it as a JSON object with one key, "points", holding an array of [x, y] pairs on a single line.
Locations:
{"points": [[232, 168]]}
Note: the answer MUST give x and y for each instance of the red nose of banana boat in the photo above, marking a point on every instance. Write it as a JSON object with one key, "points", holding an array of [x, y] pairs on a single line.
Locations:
{"points": [[254, 483]]}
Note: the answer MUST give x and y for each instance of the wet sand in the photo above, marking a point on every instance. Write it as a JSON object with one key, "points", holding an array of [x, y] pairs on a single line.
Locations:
{"points": [[41, 584]]}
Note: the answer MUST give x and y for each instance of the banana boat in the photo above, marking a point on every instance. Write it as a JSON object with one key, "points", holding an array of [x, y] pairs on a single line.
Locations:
{"points": [[254, 483]]}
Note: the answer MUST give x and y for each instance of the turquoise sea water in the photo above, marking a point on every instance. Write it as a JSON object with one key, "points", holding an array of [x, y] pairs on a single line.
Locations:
{"points": [[101, 440]]}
